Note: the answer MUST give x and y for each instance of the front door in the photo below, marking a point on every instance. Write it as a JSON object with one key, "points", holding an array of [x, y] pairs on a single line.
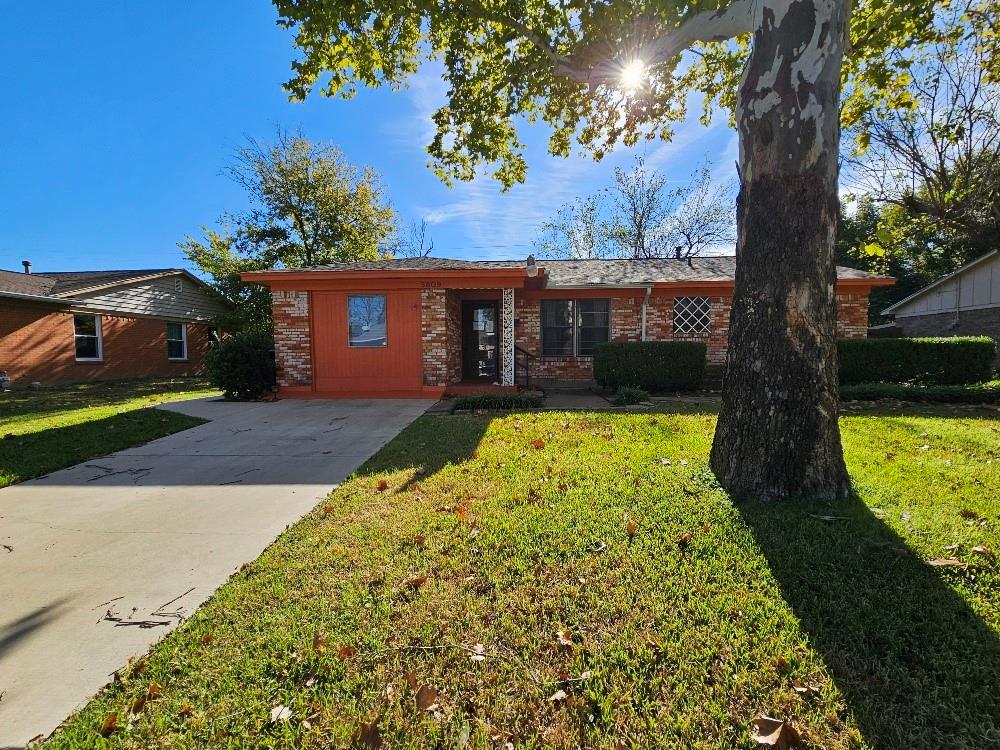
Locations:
{"points": [[479, 341]]}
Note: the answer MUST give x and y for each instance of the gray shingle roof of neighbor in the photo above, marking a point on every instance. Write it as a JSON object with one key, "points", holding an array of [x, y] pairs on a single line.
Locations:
{"points": [[610, 272], [63, 283]]}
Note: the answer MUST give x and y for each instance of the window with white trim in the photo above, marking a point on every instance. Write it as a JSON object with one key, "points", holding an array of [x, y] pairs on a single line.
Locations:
{"points": [[692, 315], [177, 344], [574, 327], [87, 337]]}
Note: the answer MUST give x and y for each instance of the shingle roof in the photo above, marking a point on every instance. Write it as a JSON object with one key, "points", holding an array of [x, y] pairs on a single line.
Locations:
{"points": [[572, 273], [66, 283]]}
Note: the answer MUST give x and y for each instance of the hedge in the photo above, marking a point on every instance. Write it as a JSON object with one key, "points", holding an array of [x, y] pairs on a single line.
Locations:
{"points": [[650, 365], [497, 402], [931, 361], [242, 365], [979, 393]]}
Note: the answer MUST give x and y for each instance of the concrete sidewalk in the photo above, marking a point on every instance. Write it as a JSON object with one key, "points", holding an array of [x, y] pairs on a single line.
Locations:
{"points": [[110, 555]]}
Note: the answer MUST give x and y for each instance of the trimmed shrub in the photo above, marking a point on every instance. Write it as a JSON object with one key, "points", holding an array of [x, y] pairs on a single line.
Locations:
{"points": [[497, 402], [650, 365], [931, 361], [242, 365], [627, 395], [978, 393]]}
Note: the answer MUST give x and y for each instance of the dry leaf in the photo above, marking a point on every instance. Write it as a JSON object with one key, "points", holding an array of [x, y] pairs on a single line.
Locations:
{"points": [[803, 688], [478, 652], [346, 652], [565, 637], [774, 733], [968, 514], [138, 704], [369, 736], [984, 551], [206, 638], [411, 679], [153, 691], [419, 540], [631, 527], [426, 696], [319, 643], [186, 710], [705, 528], [947, 562], [110, 725], [684, 540], [280, 714], [415, 582], [382, 485], [538, 444], [558, 696]]}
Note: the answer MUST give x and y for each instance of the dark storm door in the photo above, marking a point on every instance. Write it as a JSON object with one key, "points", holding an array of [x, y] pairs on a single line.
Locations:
{"points": [[479, 341]]}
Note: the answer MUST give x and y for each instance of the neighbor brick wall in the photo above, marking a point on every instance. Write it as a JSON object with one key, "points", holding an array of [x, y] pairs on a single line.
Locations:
{"points": [[852, 315], [441, 330], [37, 344], [292, 344]]}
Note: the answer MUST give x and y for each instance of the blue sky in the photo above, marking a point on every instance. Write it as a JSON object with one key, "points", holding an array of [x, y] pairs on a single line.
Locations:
{"points": [[117, 118]]}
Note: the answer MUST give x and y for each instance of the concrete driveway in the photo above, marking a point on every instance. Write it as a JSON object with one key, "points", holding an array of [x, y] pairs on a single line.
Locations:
{"points": [[110, 555]]}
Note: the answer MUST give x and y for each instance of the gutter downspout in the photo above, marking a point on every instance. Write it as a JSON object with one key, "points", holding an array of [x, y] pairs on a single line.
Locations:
{"points": [[645, 304]]}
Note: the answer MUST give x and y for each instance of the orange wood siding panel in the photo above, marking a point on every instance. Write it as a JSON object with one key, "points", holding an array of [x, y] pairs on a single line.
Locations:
{"points": [[398, 366]]}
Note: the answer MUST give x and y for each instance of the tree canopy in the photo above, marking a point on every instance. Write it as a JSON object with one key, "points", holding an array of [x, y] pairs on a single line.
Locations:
{"points": [[563, 63]]}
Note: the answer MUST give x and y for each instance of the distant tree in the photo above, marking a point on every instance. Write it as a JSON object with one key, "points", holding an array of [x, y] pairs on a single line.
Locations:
{"points": [[639, 216], [308, 206], [416, 242]]}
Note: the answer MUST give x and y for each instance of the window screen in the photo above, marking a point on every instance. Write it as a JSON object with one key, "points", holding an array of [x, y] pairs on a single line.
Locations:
{"points": [[176, 341], [557, 328], [87, 336], [366, 320], [692, 315], [594, 323]]}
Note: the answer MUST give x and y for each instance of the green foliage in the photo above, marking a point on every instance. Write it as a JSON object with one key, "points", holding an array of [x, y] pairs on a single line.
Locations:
{"points": [[937, 361], [242, 365], [628, 395], [309, 206], [976, 393], [497, 402], [650, 365], [506, 62]]}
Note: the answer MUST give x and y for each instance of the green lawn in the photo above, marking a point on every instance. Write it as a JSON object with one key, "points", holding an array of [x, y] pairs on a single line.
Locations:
{"points": [[528, 579], [49, 429]]}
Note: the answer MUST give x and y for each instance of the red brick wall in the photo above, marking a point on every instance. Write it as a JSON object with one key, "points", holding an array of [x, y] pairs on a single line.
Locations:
{"points": [[852, 315], [292, 338], [37, 344], [441, 329]]}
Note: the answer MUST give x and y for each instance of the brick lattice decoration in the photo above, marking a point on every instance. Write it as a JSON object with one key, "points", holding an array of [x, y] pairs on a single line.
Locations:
{"points": [[292, 337]]}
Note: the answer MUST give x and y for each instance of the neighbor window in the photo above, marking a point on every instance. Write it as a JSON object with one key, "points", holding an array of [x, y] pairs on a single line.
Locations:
{"points": [[692, 314], [366, 320], [87, 335], [574, 327], [177, 344]]}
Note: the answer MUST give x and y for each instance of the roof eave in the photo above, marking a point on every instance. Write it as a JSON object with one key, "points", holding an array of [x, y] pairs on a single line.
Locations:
{"points": [[48, 299]]}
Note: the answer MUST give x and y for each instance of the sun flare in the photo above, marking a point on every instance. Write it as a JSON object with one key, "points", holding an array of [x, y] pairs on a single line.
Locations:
{"points": [[633, 75]]}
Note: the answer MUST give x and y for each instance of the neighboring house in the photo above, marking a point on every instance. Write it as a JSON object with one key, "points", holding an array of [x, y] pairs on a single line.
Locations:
{"points": [[963, 303], [94, 325], [422, 326]]}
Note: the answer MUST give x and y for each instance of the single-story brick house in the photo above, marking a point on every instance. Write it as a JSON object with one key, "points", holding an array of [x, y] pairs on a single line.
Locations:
{"points": [[419, 327], [96, 325], [963, 303]]}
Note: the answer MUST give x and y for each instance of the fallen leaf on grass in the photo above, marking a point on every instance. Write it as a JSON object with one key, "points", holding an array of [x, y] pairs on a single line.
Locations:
{"points": [[369, 736], [418, 540], [968, 514], [153, 691], [564, 637], [426, 696], [346, 652], [138, 703], [206, 638], [411, 679], [979, 549], [319, 643], [803, 688], [947, 562], [684, 541], [631, 527], [382, 485], [774, 733], [186, 710], [558, 696], [415, 582], [478, 652], [110, 725], [280, 714], [538, 444]]}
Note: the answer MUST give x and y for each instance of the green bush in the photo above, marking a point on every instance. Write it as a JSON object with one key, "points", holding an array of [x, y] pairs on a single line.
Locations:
{"points": [[627, 395], [979, 393], [242, 365], [931, 361], [498, 402], [650, 365]]}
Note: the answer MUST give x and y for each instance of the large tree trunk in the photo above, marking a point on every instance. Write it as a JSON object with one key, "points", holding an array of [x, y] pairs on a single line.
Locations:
{"points": [[777, 435]]}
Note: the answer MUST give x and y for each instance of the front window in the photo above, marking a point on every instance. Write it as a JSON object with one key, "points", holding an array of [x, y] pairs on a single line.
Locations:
{"points": [[176, 341], [692, 315], [87, 336], [574, 327], [366, 320]]}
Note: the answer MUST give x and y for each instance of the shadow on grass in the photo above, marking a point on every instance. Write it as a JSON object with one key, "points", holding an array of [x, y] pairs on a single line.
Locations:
{"points": [[918, 668], [38, 453]]}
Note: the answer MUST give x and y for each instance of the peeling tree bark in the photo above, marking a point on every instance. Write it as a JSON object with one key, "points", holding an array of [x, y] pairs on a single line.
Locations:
{"points": [[777, 434]]}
